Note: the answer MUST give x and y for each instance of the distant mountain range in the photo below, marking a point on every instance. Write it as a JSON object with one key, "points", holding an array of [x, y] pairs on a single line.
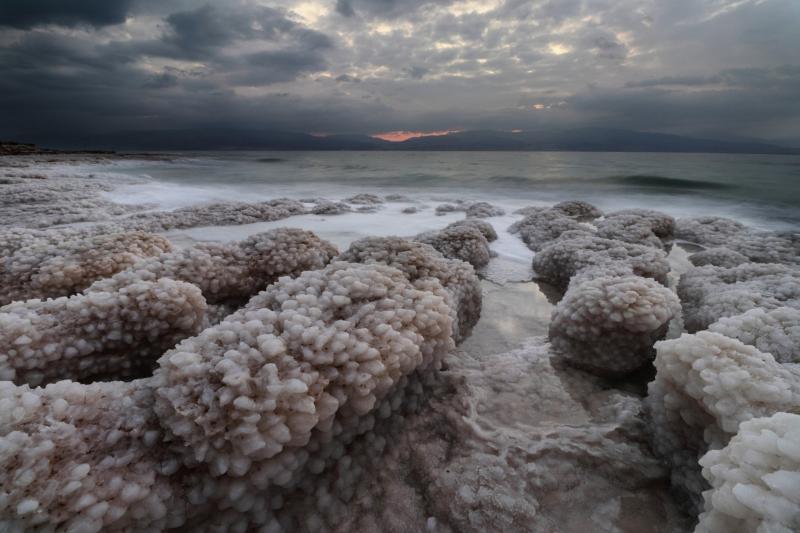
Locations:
{"points": [[580, 139]]}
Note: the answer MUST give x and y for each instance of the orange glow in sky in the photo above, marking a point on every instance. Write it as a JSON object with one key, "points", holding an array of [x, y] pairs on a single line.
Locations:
{"points": [[399, 136]]}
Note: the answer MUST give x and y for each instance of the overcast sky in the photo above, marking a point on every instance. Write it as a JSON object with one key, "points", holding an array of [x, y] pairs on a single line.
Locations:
{"points": [[715, 68]]}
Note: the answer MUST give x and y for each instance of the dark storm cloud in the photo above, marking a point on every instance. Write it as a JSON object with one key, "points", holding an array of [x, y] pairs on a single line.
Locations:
{"points": [[726, 68], [29, 13]]}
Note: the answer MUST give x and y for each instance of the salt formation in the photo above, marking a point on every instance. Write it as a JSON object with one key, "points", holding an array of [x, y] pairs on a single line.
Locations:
{"points": [[443, 209], [419, 262], [591, 257], [709, 293], [757, 246], [537, 230], [706, 385], [508, 442], [217, 214], [235, 420], [326, 207], [397, 198], [39, 202], [755, 479], [484, 210], [481, 225], [639, 226], [410, 210], [364, 199], [87, 336], [579, 210], [776, 332], [608, 325], [461, 242], [57, 265], [231, 273], [532, 210], [719, 256]]}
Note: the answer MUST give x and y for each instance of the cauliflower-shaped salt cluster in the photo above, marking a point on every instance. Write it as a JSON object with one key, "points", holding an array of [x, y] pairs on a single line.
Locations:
{"points": [[718, 256], [420, 261], [237, 422], [567, 257], [755, 479], [49, 268], [217, 214], [706, 385], [365, 199], [232, 273], [326, 207], [443, 209], [776, 332], [608, 325], [757, 246], [97, 334], [466, 243], [537, 230], [481, 225], [484, 210], [578, 209], [639, 226], [709, 293]]}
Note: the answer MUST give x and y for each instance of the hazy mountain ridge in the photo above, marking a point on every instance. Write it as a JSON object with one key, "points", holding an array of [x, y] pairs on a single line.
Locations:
{"points": [[581, 139]]}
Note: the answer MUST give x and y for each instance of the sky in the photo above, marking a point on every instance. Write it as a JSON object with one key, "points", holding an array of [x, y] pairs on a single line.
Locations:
{"points": [[715, 68]]}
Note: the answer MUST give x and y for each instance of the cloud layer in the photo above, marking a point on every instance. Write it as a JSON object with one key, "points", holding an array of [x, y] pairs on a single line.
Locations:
{"points": [[719, 68]]}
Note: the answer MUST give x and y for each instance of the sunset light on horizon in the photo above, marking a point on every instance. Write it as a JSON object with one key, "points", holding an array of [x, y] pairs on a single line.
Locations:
{"points": [[400, 136]]}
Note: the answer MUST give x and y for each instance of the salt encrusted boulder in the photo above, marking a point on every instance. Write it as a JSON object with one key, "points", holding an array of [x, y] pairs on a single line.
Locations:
{"points": [[443, 209], [466, 243], [97, 334], [706, 385], [217, 214], [708, 231], [537, 230], [640, 226], [397, 198], [559, 262], [757, 246], [484, 210], [85, 458], [236, 421], [608, 325], [231, 273], [326, 207], [420, 261], [410, 210], [256, 397], [776, 332], [364, 199], [579, 210], [755, 479], [709, 293], [52, 268], [481, 225], [718, 256]]}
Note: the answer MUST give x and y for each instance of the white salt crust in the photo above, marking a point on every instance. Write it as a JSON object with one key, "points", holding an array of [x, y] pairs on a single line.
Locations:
{"points": [[776, 332], [465, 242], [706, 385], [60, 264], [230, 273], [484, 210], [97, 334], [757, 246], [578, 209], [718, 256], [235, 420], [591, 257], [639, 226], [608, 325], [540, 228], [420, 261], [755, 479], [709, 293], [481, 225]]}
